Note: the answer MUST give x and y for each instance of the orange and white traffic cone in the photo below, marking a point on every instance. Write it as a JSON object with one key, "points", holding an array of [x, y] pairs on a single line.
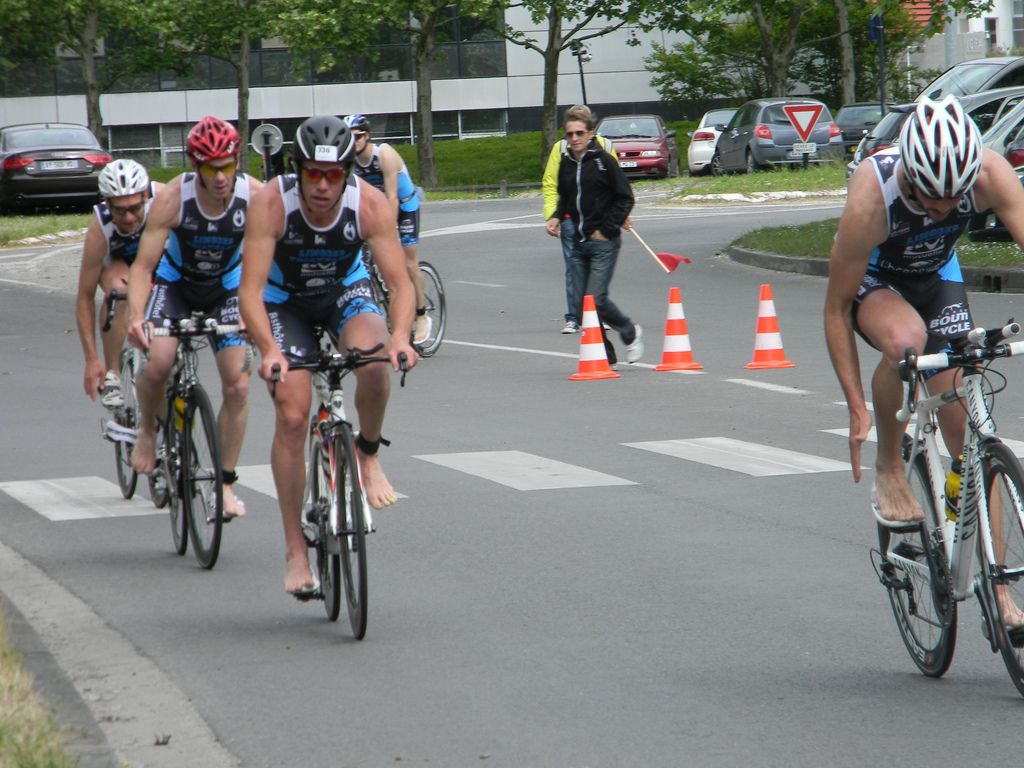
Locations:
{"points": [[768, 351], [676, 355], [593, 358]]}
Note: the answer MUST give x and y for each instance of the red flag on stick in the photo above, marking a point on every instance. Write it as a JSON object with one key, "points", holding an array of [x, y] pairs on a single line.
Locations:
{"points": [[667, 261]]}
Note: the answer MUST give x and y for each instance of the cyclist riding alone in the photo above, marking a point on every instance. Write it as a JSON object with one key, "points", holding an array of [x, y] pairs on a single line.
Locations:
{"points": [[193, 239], [895, 279], [302, 267], [381, 166], [111, 242]]}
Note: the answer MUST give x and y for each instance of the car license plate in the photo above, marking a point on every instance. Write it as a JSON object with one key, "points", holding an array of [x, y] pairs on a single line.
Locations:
{"points": [[628, 164], [56, 165], [800, 148]]}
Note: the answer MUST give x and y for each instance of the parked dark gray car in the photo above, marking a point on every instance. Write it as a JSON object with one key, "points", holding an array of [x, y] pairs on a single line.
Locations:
{"points": [[760, 135], [49, 164]]}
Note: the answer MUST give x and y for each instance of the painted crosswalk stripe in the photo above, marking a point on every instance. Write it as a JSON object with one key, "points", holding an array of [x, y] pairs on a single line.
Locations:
{"points": [[523, 471], [77, 498], [1017, 446], [260, 478], [739, 456]]}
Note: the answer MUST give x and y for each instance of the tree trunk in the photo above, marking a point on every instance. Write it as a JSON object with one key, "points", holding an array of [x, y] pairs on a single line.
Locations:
{"points": [[549, 115], [87, 50], [847, 75], [423, 120], [244, 55], [778, 52]]}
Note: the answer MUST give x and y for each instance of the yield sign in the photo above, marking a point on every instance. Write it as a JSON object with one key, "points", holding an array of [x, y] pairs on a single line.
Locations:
{"points": [[803, 117]]}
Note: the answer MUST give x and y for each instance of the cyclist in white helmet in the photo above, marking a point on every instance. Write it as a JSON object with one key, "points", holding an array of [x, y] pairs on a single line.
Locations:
{"points": [[109, 249], [894, 277]]}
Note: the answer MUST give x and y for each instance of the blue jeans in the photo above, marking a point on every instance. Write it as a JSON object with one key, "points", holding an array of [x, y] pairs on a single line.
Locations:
{"points": [[593, 264], [573, 299]]}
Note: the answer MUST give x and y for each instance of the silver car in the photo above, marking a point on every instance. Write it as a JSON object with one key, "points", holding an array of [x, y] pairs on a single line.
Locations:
{"points": [[704, 138], [761, 135]]}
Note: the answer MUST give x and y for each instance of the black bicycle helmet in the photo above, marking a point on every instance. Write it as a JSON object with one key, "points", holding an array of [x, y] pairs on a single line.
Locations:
{"points": [[323, 138]]}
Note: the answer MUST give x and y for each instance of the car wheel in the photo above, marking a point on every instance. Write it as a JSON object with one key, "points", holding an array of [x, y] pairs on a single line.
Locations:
{"points": [[716, 165], [751, 165]]}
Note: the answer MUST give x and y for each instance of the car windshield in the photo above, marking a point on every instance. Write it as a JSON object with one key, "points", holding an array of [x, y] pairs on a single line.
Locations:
{"points": [[719, 116], [961, 79], [640, 128], [869, 113], [889, 125], [51, 137]]}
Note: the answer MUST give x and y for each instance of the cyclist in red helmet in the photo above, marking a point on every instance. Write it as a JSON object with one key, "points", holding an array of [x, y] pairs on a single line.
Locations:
{"points": [[193, 240]]}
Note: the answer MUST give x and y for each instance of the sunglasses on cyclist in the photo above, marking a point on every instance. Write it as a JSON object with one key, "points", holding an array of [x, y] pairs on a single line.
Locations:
{"points": [[124, 210], [313, 175], [210, 171], [575, 134]]}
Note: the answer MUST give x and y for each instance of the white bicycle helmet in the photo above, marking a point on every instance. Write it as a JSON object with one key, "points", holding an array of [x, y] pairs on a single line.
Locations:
{"points": [[940, 148], [123, 177]]}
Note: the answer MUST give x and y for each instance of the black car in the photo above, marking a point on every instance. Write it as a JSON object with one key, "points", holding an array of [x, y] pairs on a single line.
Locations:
{"points": [[49, 164], [883, 135], [856, 121]]}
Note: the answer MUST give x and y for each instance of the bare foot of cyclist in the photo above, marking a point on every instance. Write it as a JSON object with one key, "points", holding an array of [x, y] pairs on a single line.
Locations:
{"points": [[299, 577], [233, 506], [144, 453], [892, 496], [375, 484], [1012, 615]]}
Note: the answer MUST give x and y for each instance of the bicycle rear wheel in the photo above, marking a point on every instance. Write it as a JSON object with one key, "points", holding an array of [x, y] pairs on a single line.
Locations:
{"points": [[128, 417], [321, 498], [916, 577], [351, 528], [202, 493], [434, 301], [1004, 493]]}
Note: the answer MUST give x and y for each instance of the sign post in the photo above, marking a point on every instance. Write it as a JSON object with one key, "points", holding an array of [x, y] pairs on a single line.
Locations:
{"points": [[267, 139], [804, 117]]}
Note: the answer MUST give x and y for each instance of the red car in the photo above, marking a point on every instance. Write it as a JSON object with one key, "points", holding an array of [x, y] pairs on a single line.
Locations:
{"points": [[644, 146]]}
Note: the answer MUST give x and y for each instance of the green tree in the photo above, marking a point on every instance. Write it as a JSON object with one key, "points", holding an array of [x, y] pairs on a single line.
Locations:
{"points": [[569, 23]]}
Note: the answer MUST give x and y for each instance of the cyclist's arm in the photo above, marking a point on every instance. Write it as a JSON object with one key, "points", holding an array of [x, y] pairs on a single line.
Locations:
{"points": [[390, 165], [862, 227], [163, 216], [999, 188], [549, 182], [377, 224], [263, 228], [93, 252]]}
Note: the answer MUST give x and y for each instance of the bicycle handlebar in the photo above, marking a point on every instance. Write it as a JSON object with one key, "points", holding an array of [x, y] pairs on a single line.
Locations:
{"points": [[111, 303], [979, 345], [325, 361]]}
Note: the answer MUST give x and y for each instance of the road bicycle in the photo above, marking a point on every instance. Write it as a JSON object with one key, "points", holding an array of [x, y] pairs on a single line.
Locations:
{"points": [[927, 568], [433, 300], [189, 454], [336, 515], [121, 428]]}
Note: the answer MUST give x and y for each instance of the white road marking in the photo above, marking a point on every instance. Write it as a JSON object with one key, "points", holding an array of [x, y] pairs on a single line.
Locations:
{"points": [[574, 355], [479, 285], [770, 387], [523, 471], [739, 456], [1017, 446], [77, 498], [260, 478]]}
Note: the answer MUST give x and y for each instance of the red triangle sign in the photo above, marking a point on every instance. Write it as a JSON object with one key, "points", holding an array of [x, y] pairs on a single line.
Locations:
{"points": [[803, 117]]}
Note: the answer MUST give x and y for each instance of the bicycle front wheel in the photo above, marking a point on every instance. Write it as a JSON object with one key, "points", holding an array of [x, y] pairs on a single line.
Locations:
{"points": [[434, 301], [202, 494], [322, 500], [351, 528], [165, 482], [1004, 494], [917, 580], [128, 417]]}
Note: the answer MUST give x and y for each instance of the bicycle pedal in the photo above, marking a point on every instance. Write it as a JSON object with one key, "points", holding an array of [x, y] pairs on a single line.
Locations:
{"points": [[310, 534]]}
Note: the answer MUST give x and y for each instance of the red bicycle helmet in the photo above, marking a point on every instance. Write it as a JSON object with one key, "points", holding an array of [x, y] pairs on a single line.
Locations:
{"points": [[212, 138]]}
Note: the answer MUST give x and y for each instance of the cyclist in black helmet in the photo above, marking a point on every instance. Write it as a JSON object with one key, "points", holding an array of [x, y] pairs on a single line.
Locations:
{"points": [[301, 267]]}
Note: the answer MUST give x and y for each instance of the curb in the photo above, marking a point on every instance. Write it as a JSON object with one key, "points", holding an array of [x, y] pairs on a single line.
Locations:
{"points": [[983, 279]]}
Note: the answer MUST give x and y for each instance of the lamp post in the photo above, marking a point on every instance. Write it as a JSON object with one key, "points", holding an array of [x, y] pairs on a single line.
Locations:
{"points": [[579, 50]]}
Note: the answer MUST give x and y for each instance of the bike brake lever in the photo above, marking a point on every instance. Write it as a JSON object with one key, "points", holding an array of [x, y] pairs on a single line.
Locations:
{"points": [[275, 376], [403, 366]]}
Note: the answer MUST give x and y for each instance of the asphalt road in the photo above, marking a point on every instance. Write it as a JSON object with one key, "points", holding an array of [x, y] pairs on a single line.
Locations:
{"points": [[666, 603]]}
